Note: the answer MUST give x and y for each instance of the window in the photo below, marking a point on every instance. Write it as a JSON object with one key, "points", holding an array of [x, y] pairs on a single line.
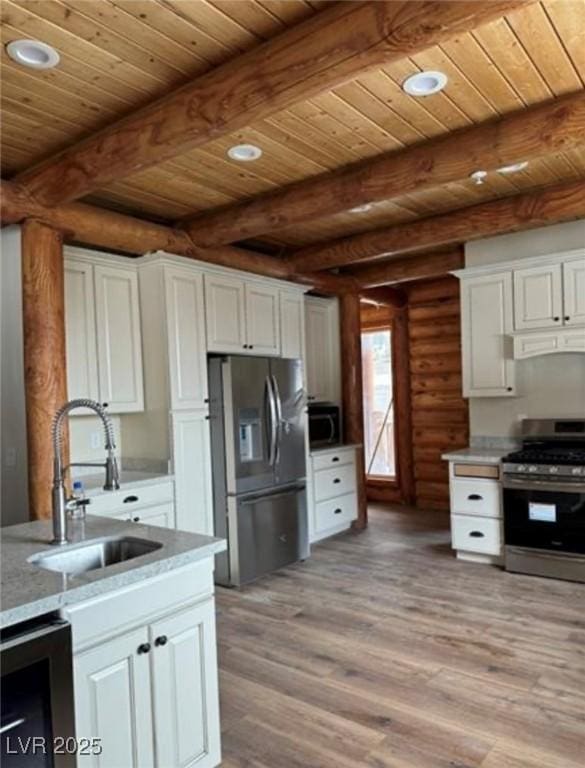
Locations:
{"points": [[378, 403]]}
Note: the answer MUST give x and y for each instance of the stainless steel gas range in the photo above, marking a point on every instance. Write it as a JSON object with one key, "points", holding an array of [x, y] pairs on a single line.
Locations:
{"points": [[544, 500]]}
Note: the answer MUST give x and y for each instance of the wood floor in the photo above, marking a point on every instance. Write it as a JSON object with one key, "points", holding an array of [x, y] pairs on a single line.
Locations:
{"points": [[382, 650]]}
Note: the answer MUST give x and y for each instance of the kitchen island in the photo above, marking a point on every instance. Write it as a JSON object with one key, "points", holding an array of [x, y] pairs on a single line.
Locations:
{"points": [[142, 631]]}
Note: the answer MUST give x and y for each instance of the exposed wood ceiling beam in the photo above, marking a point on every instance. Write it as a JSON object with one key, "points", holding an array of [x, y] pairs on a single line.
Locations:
{"points": [[328, 49], [425, 266], [95, 226], [512, 214], [524, 135], [381, 297]]}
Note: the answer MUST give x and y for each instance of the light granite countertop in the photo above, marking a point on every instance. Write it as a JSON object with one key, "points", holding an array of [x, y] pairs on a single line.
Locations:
{"points": [[129, 479], [29, 591], [477, 455], [333, 448]]}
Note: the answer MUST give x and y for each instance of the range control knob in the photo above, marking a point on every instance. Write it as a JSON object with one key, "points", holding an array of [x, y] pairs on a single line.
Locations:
{"points": [[521, 467], [532, 468], [553, 470], [577, 471]]}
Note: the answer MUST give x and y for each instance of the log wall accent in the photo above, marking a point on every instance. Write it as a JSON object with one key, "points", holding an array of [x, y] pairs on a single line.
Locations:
{"points": [[352, 393], [45, 370], [440, 419]]}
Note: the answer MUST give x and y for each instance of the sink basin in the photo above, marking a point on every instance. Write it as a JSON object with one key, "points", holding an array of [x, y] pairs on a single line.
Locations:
{"points": [[93, 554]]}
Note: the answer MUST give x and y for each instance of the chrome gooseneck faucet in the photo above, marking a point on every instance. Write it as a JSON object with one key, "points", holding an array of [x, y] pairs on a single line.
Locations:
{"points": [[111, 465]]}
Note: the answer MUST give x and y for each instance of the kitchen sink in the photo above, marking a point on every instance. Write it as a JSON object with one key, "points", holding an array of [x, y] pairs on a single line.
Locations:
{"points": [[96, 553]]}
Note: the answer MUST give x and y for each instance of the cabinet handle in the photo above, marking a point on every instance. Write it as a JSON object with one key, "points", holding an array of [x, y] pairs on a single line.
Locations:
{"points": [[130, 499], [337, 480], [509, 389], [144, 648], [556, 319], [567, 318], [475, 497], [161, 640], [135, 519], [250, 346], [245, 346], [477, 534], [337, 511], [206, 400], [207, 417], [335, 458], [310, 397]]}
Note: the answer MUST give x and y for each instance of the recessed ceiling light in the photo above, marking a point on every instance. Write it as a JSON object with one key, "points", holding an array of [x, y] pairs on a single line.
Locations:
{"points": [[361, 208], [33, 53], [424, 83], [514, 168], [245, 153], [478, 177]]}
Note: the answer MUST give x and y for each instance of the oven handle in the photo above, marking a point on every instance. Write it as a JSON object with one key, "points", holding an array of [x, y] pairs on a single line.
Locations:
{"points": [[543, 485]]}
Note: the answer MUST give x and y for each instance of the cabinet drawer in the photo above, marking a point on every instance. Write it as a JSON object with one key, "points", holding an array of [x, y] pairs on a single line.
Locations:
{"points": [[328, 460], [129, 499], [116, 612], [337, 511], [334, 482], [475, 497], [476, 534], [161, 515], [489, 471]]}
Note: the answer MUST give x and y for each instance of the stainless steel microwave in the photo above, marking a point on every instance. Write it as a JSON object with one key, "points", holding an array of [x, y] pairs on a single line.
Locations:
{"points": [[324, 424]]}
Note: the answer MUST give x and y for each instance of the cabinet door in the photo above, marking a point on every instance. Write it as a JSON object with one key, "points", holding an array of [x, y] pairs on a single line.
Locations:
{"points": [[192, 466], [186, 335], [226, 320], [119, 339], [113, 702], [292, 325], [486, 321], [574, 291], [80, 337], [262, 319], [538, 298], [322, 349], [186, 706]]}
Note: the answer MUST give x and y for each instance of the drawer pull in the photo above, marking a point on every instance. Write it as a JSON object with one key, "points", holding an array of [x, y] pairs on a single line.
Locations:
{"points": [[337, 480], [477, 534], [337, 511], [130, 499], [135, 519], [475, 497], [161, 640], [335, 458], [144, 648]]}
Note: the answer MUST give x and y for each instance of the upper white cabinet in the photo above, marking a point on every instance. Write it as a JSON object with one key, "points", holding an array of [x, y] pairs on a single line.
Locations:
{"points": [[486, 321], [118, 338], [225, 302], [103, 337], [243, 317], [322, 349], [292, 324], [186, 338], [538, 297], [574, 291]]}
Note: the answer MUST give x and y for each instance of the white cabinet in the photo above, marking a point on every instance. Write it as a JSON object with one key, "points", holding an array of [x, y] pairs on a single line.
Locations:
{"points": [[225, 302], [186, 338], [192, 468], [243, 317], [80, 331], [574, 291], [113, 702], [184, 650], [145, 672], [262, 319], [322, 349], [103, 337], [486, 321], [292, 324], [332, 491], [538, 297]]}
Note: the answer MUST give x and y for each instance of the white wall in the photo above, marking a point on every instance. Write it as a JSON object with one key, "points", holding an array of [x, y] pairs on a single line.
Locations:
{"points": [[86, 441], [13, 462], [548, 386]]}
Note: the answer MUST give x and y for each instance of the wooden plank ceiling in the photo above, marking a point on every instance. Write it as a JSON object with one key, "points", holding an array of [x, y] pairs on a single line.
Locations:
{"points": [[118, 55]]}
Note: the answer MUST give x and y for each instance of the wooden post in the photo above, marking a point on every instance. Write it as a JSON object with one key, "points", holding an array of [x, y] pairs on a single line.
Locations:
{"points": [[403, 420], [43, 306], [352, 393]]}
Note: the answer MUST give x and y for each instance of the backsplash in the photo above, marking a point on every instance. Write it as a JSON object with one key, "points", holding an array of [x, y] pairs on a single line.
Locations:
{"points": [[87, 440]]}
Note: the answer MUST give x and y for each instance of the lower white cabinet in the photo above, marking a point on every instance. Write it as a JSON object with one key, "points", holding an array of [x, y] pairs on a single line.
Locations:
{"points": [[150, 504], [145, 673], [113, 702], [192, 469], [332, 491]]}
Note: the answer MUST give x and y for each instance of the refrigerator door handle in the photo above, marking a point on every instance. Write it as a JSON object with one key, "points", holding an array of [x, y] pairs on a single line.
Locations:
{"points": [[269, 399], [279, 420]]}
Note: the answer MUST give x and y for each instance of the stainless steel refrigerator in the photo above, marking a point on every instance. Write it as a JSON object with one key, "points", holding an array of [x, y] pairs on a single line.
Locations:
{"points": [[257, 409]]}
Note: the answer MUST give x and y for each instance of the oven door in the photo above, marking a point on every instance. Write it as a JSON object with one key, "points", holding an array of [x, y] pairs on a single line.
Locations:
{"points": [[544, 515]]}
